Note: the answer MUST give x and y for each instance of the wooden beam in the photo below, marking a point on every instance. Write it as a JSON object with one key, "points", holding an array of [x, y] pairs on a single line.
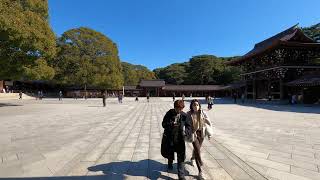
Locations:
{"points": [[277, 67]]}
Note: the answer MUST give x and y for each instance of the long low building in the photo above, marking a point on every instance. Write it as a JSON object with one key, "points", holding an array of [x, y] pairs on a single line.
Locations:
{"points": [[158, 87]]}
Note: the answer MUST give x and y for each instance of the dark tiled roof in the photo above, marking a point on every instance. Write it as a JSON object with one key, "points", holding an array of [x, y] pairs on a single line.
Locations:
{"points": [[310, 80], [293, 36], [192, 87], [152, 83], [235, 85], [130, 88]]}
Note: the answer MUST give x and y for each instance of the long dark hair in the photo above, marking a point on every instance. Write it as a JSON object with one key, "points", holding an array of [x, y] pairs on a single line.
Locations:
{"points": [[191, 104]]}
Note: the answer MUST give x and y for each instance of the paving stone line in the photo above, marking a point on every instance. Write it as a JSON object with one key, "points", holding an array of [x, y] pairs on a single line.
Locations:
{"points": [[69, 166]]}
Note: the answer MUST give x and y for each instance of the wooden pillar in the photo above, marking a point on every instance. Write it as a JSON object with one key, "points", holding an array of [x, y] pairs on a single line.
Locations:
{"points": [[281, 89], [246, 91], [269, 87], [254, 90]]}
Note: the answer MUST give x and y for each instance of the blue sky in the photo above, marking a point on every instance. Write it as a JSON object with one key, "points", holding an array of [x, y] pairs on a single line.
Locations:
{"points": [[156, 33]]}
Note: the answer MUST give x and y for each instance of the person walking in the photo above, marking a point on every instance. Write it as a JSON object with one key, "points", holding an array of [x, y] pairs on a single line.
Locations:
{"points": [[104, 96], [20, 94], [39, 93], [210, 102], [148, 97], [60, 95], [182, 97], [235, 97], [176, 128], [120, 98], [201, 127]]}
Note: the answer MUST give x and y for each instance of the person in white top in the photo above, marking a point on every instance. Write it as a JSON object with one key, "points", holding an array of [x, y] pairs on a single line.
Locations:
{"points": [[201, 127]]}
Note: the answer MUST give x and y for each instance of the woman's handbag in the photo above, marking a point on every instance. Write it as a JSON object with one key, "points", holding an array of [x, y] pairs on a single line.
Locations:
{"points": [[208, 130]]}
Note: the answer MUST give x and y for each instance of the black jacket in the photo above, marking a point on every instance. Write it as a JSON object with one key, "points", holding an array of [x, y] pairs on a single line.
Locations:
{"points": [[185, 129]]}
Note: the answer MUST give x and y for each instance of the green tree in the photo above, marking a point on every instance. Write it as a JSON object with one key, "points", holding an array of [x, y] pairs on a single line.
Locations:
{"points": [[228, 75], [87, 57], [313, 31], [134, 73], [26, 40], [203, 69], [173, 74]]}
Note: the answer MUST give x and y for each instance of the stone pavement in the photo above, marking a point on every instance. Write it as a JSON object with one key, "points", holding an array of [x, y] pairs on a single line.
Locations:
{"points": [[279, 141], [79, 139]]}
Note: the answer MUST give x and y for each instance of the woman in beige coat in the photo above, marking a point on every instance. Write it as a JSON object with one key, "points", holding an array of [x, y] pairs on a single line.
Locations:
{"points": [[201, 127]]}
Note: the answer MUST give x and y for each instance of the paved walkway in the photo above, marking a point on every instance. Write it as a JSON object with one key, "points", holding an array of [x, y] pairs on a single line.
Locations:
{"points": [[72, 139], [279, 141]]}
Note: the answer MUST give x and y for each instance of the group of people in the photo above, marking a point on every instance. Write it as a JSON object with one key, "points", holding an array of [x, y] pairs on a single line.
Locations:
{"points": [[243, 97], [5, 90], [179, 127], [40, 95]]}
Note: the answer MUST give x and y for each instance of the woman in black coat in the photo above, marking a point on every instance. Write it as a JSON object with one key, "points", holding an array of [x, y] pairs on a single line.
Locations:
{"points": [[176, 128]]}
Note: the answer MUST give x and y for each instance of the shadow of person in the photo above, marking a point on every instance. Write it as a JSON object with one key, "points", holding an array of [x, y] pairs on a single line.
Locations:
{"points": [[147, 168], [9, 104], [144, 168]]}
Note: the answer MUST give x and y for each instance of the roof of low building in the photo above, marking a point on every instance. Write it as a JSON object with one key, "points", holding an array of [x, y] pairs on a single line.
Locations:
{"points": [[152, 83], [235, 85], [192, 87], [130, 88], [309, 80]]}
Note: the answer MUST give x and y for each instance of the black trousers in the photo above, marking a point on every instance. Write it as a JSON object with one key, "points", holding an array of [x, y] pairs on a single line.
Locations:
{"points": [[181, 156], [104, 102]]}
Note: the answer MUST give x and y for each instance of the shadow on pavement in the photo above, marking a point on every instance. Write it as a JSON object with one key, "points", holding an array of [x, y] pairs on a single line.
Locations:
{"points": [[146, 168], [58, 178], [119, 170], [9, 104]]}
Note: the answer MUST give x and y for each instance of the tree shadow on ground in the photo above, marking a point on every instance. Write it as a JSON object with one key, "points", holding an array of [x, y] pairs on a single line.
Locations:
{"points": [[9, 104], [274, 105]]}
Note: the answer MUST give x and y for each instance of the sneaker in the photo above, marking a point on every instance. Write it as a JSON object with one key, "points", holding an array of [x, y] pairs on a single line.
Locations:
{"points": [[201, 176]]}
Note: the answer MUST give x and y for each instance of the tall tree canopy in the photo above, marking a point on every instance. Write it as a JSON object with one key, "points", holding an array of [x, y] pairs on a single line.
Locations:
{"points": [[87, 57], [26, 40], [202, 69], [134, 73], [313, 31], [174, 73]]}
